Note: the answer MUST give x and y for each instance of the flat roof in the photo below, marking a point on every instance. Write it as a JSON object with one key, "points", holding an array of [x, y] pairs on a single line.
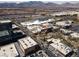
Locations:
{"points": [[61, 47], [5, 21], [54, 40], [34, 28], [63, 23], [74, 35], [64, 49], [38, 28], [65, 13], [8, 51], [14, 26], [66, 31], [27, 42], [37, 22]]}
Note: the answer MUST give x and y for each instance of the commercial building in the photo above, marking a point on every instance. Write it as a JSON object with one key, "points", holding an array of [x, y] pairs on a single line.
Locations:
{"points": [[51, 40], [8, 32], [28, 45], [37, 22], [5, 30], [38, 28], [66, 32], [64, 24], [57, 45], [74, 35], [65, 50], [34, 28], [8, 51]]}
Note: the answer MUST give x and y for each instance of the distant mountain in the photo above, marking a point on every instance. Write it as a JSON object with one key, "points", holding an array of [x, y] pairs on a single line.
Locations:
{"points": [[67, 4], [51, 4], [31, 4], [37, 4], [77, 4], [8, 5]]}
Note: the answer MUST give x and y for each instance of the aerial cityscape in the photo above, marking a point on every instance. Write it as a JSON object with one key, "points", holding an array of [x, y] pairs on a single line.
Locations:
{"points": [[39, 29]]}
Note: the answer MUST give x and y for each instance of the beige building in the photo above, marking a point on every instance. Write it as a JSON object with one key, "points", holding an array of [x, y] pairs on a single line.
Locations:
{"points": [[8, 51], [28, 45]]}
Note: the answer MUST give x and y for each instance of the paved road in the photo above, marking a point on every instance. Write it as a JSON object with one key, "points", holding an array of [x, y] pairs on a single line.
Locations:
{"points": [[19, 49]]}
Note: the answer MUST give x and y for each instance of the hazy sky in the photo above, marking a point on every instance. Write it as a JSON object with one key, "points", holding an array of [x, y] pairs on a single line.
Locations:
{"points": [[60, 2], [55, 1]]}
